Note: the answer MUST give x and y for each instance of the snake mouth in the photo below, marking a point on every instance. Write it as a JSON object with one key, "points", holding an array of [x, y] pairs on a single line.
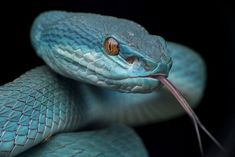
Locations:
{"points": [[157, 75], [153, 76]]}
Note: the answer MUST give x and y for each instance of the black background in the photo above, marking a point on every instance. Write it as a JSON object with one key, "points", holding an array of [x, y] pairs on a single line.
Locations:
{"points": [[206, 27]]}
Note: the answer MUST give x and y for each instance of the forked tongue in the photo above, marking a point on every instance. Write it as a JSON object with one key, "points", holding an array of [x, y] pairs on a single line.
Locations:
{"points": [[197, 123]]}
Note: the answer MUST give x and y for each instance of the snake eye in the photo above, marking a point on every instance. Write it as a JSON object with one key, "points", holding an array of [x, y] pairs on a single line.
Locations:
{"points": [[111, 46]]}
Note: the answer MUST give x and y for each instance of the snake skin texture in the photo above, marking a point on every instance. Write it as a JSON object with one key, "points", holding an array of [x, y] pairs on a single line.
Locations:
{"points": [[83, 85], [33, 107], [113, 141]]}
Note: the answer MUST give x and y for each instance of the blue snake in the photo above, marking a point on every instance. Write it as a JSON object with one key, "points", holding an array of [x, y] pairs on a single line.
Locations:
{"points": [[100, 70]]}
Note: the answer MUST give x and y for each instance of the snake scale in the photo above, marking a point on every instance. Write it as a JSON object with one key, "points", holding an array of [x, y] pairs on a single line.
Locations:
{"points": [[100, 69]]}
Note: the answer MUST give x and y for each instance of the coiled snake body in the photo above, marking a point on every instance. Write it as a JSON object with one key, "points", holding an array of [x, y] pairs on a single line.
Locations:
{"points": [[107, 70]]}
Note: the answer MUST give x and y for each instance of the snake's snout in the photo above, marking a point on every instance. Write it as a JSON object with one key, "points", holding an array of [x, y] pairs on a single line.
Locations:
{"points": [[160, 68]]}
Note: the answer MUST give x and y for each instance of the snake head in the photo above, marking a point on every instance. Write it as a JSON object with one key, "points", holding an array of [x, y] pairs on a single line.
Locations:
{"points": [[101, 50], [139, 60]]}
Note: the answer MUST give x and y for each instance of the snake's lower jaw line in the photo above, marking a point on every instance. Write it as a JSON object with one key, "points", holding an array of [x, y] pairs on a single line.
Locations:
{"points": [[155, 76]]}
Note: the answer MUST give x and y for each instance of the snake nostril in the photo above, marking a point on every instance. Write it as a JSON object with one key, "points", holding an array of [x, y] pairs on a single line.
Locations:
{"points": [[147, 67]]}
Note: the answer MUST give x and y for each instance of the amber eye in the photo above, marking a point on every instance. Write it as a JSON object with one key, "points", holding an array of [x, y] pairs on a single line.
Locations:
{"points": [[111, 46]]}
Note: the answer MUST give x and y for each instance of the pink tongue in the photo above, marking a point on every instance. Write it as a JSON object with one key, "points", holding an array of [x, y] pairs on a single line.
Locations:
{"points": [[197, 123]]}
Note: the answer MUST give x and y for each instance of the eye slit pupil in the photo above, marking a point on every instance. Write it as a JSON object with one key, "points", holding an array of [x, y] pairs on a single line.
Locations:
{"points": [[111, 46]]}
